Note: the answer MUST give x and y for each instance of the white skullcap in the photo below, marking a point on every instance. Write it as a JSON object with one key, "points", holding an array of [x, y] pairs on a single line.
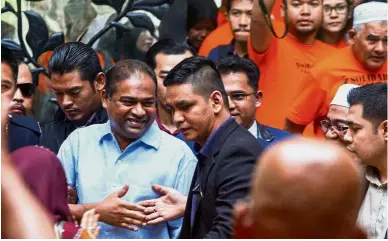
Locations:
{"points": [[341, 97], [370, 12]]}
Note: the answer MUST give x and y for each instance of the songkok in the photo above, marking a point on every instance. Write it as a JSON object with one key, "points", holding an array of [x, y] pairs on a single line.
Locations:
{"points": [[341, 97], [370, 12]]}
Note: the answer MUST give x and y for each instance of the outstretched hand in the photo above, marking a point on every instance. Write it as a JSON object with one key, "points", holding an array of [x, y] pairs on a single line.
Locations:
{"points": [[171, 205]]}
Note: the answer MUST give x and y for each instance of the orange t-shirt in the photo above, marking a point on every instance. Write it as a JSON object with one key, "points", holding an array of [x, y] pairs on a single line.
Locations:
{"points": [[319, 88], [283, 67], [341, 44], [222, 35]]}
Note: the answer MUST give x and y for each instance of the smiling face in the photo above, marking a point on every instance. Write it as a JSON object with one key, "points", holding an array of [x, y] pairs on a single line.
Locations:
{"points": [[243, 100], [76, 97], [131, 108]]}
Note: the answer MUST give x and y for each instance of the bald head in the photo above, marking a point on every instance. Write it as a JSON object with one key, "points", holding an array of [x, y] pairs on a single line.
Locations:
{"points": [[305, 189]]}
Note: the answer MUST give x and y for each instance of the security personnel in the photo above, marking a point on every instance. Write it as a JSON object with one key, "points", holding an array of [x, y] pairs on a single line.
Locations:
{"points": [[21, 130]]}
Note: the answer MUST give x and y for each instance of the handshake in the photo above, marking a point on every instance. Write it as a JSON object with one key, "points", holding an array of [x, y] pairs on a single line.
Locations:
{"points": [[117, 212]]}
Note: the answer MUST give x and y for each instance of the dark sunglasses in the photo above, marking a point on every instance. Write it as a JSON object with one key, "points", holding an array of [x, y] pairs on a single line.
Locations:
{"points": [[27, 89]]}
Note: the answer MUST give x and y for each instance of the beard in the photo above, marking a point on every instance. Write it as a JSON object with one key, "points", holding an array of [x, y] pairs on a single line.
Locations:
{"points": [[305, 31]]}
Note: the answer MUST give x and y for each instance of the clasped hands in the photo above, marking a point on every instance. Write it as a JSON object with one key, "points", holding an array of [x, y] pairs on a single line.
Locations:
{"points": [[117, 212]]}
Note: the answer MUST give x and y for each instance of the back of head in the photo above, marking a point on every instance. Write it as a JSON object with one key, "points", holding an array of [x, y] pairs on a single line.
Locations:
{"points": [[373, 99], [168, 47], [306, 189], [43, 173], [236, 64], [124, 70], [75, 56], [201, 73], [198, 10]]}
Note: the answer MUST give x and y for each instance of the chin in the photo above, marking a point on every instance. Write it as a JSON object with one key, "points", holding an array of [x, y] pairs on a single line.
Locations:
{"points": [[242, 38], [305, 30]]}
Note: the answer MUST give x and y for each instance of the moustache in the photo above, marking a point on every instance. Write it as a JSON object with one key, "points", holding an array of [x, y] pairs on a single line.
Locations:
{"points": [[19, 107], [241, 30]]}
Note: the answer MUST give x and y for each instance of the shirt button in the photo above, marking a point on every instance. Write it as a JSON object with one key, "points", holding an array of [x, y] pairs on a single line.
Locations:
{"points": [[114, 185], [106, 233], [119, 161]]}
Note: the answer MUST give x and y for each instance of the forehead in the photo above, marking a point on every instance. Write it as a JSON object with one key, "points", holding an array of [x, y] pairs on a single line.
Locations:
{"points": [[181, 92], [138, 85], [236, 81], [241, 4], [337, 112], [6, 72], [355, 114], [305, 1], [67, 80], [333, 2], [24, 75], [169, 61], [376, 28]]}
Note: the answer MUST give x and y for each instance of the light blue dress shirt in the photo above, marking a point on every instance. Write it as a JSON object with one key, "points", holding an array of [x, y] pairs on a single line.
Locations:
{"points": [[95, 165]]}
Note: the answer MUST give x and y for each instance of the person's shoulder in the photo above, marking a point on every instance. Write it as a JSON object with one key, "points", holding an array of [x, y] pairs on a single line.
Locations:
{"points": [[337, 60], [278, 133], [242, 138], [25, 122]]}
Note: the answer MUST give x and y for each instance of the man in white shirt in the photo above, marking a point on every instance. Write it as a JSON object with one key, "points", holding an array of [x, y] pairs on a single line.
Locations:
{"points": [[367, 138]]}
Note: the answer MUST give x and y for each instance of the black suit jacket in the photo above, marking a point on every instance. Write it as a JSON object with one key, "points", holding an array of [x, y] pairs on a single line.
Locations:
{"points": [[22, 131], [225, 178]]}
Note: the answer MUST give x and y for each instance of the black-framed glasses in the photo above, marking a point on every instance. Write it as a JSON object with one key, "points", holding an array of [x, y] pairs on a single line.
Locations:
{"points": [[27, 89], [326, 125], [339, 9], [236, 97]]}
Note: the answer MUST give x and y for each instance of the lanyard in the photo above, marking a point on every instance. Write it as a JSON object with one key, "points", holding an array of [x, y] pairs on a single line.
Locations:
{"points": [[269, 21]]}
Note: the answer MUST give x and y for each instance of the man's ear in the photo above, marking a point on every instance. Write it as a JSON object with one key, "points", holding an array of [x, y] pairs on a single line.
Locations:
{"points": [[242, 221], [99, 84], [104, 98], [258, 97], [383, 129], [216, 101], [352, 35]]}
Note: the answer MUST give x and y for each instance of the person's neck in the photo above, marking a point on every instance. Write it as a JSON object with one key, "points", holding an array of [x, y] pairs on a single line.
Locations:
{"points": [[122, 141], [382, 169], [330, 37], [165, 118], [220, 119], [303, 38], [241, 48]]}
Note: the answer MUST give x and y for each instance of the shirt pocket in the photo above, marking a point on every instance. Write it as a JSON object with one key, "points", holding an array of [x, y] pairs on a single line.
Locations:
{"points": [[139, 191]]}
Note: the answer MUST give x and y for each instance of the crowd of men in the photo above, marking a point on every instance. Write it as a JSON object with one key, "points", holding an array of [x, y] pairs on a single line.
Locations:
{"points": [[180, 145]]}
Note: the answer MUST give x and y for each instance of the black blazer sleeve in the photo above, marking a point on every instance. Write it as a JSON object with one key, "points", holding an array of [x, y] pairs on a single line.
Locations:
{"points": [[233, 179]]}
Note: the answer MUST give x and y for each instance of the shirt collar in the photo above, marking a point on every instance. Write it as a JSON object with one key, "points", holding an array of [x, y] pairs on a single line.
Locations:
{"points": [[371, 174], [161, 126], [206, 150], [99, 116], [253, 129], [151, 136]]}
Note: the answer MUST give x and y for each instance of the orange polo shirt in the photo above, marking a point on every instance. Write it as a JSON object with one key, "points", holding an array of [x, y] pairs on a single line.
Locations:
{"points": [[320, 86], [283, 67]]}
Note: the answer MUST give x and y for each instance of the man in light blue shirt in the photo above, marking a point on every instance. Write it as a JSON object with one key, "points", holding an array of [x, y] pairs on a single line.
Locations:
{"points": [[102, 160]]}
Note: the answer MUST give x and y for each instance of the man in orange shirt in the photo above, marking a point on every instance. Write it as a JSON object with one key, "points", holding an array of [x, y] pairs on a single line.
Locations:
{"points": [[364, 62], [285, 62]]}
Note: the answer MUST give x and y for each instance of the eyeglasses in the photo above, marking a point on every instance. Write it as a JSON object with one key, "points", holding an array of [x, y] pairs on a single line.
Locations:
{"points": [[326, 125], [27, 89], [237, 97], [339, 9]]}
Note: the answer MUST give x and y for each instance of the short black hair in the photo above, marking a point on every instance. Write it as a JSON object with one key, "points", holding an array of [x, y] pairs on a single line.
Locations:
{"points": [[72, 56], [229, 4], [201, 73], [236, 64], [124, 70], [9, 58], [166, 46], [373, 98]]}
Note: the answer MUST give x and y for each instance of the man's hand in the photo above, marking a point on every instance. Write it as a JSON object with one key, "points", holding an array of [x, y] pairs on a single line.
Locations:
{"points": [[72, 197], [119, 213], [170, 206]]}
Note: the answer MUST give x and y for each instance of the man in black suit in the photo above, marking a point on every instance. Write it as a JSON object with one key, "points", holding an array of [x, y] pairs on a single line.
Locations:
{"points": [[226, 151]]}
